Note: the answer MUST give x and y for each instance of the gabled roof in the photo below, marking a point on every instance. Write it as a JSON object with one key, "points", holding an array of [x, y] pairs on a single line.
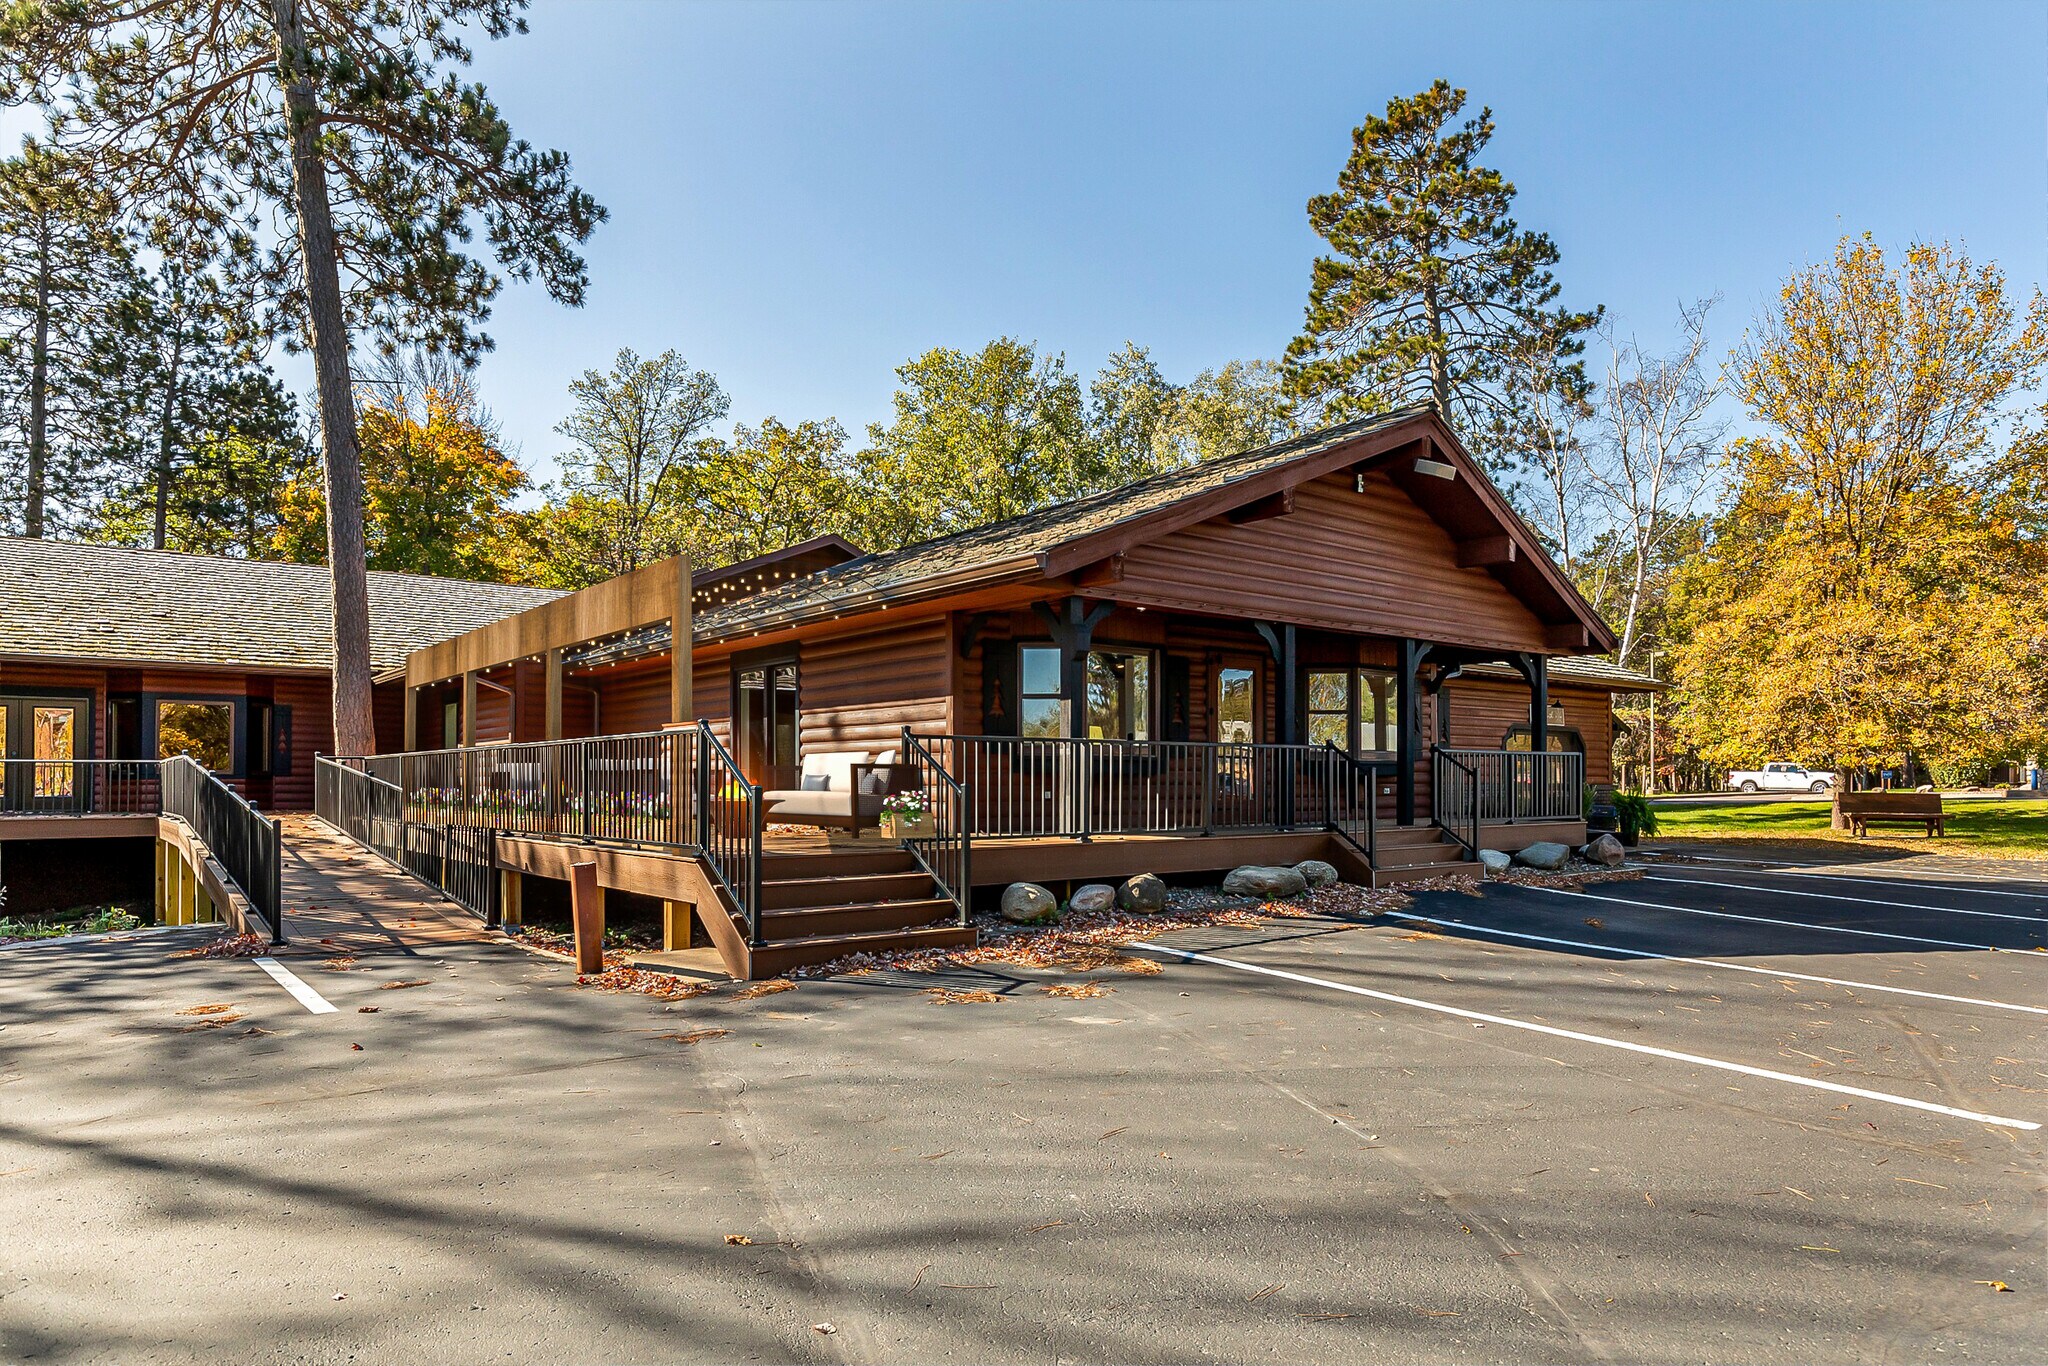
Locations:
{"points": [[64, 599], [1590, 670], [1059, 539]]}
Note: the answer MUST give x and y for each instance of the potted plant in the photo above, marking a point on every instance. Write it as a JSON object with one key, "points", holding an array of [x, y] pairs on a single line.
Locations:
{"points": [[1637, 816], [905, 816]]}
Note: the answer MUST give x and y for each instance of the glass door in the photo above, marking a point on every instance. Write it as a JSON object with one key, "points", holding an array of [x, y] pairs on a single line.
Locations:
{"points": [[44, 737], [766, 724]]}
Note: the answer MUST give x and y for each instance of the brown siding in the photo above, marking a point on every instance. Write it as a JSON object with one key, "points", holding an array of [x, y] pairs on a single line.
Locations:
{"points": [[1372, 563], [633, 698], [312, 704], [1483, 711], [859, 690]]}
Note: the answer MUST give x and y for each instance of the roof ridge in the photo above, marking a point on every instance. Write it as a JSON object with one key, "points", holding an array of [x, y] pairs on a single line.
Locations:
{"points": [[250, 561]]}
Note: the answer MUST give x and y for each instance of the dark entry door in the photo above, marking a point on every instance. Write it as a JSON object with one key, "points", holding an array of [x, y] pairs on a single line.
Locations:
{"points": [[42, 738], [765, 723]]}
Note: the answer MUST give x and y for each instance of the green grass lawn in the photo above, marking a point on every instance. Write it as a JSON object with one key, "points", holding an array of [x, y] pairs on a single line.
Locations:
{"points": [[1983, 829]]}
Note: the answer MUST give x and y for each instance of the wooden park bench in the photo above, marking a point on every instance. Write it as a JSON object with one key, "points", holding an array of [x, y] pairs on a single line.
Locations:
{"points": [[1864, 809]]}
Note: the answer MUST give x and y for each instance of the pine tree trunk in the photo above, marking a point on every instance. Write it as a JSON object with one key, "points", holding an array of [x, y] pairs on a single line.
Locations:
{"points": [[163, 448], [354, 725], [38, 473]]}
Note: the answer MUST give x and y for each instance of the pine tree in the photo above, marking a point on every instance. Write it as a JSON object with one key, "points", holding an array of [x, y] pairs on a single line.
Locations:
{"points": [[1429, 284], [349, 119], [66, 269]]}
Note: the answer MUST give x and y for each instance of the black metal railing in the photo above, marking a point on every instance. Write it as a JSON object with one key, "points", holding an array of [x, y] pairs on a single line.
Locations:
{"points": [[1353, 809], [1078, 789], [244, 841], [729, 827], [629, 789], [1454, 799], [939, 841], [1509, 786], [366, 808], [79, 787]]}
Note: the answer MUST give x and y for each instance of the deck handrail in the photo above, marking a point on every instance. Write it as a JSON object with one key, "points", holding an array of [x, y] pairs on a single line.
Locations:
{"points": [[1454, 799], [247, 844], [729, 827], [1513, 786], [946, 849], [80, 787]]}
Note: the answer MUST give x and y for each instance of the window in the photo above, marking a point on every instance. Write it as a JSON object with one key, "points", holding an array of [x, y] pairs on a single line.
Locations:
{"points": [[1354, 709], [1329, 709], [451, 724], [1563, 740], [1119, 695], [124, 728], [204, 731], [1237, 710], [1041, 713]]}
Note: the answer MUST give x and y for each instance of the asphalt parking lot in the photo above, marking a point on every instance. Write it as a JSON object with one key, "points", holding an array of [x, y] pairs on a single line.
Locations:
{"points": [[1722, 1113]]}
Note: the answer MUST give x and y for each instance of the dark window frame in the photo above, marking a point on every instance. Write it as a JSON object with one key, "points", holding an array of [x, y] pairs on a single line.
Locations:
{"points": [[1527, 734], [1154, 658], [238, 710]]}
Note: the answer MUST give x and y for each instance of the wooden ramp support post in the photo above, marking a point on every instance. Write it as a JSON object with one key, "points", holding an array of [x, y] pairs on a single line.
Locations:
{"points": [[586, 902]]}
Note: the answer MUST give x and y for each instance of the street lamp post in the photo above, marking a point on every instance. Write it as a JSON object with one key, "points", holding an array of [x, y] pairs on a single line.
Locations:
{"points": [[1650, 776]]}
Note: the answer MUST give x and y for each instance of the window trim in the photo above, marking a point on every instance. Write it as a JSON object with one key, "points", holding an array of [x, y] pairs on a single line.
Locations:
{"points": [[1528, 731], [1358, 691], [1154, 658]]}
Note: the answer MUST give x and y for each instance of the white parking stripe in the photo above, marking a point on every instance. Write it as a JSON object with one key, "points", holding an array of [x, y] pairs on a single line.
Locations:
{"points": [[303, 994], [1710, 963], [1648, 1050], [1859, 900], [1790, 924], [1903, 882], [1829, 863]]}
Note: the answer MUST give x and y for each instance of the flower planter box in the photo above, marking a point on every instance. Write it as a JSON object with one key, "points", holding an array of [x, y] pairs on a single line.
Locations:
{"points": [[900, 827]]}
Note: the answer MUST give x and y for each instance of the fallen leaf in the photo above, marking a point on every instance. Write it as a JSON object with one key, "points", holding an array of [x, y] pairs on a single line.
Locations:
{"points": [[1594, 922], [368, 1010], [825, 1328], [1035, 1228], [2000, 1286], [400, 986], [1256, 1296], [948, 996], [356, 1047], [695, 1035], [215, 1009], [760, 989], [1077, 991], [738, 1240]]}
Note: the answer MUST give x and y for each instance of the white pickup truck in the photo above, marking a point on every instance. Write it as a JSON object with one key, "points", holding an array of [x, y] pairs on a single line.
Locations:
{"points": [[1782, 778]]}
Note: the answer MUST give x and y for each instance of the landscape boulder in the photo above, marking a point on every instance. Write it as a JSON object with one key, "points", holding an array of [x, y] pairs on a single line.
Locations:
{"points": [[1545, 854], [1494, 861], [1607, 850], [1091, 898], [1265, 883], [1024, 902], [1143, 894], [1317, 873]]}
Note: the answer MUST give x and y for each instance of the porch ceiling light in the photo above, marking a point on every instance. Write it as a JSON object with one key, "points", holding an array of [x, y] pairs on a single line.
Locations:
{"points": [[1435, 468]]}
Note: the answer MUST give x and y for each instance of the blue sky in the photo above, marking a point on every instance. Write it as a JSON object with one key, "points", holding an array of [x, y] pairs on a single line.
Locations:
{"points": [[805, 195]]}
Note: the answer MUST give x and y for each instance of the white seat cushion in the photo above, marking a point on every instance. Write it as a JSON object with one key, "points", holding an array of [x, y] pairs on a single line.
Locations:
{"points": [[784, 804], [836, 766]]}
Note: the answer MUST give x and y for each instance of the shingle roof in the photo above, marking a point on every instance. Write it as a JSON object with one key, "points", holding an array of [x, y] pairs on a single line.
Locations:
{"points": [[1591, 669], [66, 599], [1015, 538]]}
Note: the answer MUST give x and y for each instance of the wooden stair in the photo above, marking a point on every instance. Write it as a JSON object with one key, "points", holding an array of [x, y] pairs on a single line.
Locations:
{"points": [[817, 907], [1410, 853]]}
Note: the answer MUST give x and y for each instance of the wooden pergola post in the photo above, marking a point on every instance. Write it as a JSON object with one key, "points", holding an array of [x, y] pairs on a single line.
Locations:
{"points": [[681, 678], [553, 725], [468, 707]]}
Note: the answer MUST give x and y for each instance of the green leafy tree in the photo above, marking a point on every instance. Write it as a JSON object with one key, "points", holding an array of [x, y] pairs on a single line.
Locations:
{"points": [[351, 122], [439, 487], [977, 438], [66, 269], [770, 487], [1429, 283], [637, 434], [1235, 408]]}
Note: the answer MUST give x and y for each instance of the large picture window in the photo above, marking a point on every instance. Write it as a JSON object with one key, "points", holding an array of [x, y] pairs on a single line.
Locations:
{"points": [[1355, 709], [203, 731], [1119, 695]]}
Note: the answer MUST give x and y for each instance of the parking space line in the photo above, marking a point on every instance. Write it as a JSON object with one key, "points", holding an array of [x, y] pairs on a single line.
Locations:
{"points": [[1956, 887], [1648, 1050], [1859, 900], [1827, 863], [303, 994], [1710, 963], [1790, 924]]}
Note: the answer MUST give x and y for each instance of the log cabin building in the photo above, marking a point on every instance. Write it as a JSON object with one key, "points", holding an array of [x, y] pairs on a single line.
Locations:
{"points": [[1344, 646]]}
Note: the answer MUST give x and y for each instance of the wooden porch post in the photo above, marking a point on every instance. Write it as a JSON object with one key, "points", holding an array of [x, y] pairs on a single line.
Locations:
{"points": [[586, 909], [552, 726], [681, 704], [412, 718], [1539, 704], [469, 706], [1407, 730]]}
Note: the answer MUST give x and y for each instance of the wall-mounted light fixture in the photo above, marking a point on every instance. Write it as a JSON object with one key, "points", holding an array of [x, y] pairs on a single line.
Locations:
{"points": [[1436, 468]]}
